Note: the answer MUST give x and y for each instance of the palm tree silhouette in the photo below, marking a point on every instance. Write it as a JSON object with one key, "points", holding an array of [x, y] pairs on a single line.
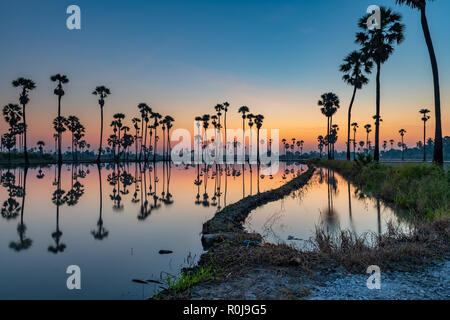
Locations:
{"points": [[321, 141], [354, 67], [392, 143], [368, 130], [259, 118], [243, 110], [118, 117], [156, 116], [26, 85], [102, 92], [225, 105], [61, 79], [355, 127], [136, 122], [378, 45], [402, 134], [41, 145], [329, 104], [146, 112], [438, 155], [168, 119], [425, 118]]}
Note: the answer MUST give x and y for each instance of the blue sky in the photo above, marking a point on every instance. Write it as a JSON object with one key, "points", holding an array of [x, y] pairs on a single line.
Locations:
{"points": [[183, 57]]}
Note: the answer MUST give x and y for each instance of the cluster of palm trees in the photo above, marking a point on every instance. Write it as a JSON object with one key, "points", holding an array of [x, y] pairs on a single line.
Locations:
{"points": [[15, 116], [291, 146], [376, 47], [368, 129], [216, 121]]}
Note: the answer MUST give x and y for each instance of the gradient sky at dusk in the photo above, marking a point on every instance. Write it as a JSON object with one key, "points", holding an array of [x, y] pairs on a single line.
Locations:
{"points": [[183, 57]]}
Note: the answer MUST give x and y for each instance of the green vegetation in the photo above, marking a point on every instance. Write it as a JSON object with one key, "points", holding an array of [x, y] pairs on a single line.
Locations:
{"points": [[422, 189], [188, 279]]}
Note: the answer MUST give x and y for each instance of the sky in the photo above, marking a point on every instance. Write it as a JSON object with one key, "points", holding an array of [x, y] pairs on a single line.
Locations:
{"points": [[184, 57]]}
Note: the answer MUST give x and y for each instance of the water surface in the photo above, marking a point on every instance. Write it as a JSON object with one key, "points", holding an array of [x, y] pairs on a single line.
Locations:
{"points": [[112, 223]]}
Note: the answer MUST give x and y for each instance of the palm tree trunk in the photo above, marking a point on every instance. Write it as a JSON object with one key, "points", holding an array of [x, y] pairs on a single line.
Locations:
{"points": [[328, 137], [424, 145], [101, 135], [25, 152], [59, 132], [257, 146], [243, 133], [438, 156], [154, 151], [349, 122], [376, 155]]}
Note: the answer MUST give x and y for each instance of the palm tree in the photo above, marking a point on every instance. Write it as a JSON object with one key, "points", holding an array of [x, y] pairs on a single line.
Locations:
{"points": [[146, 113], [136, 122], [329, 104], [425, 118], [259, 118], [354, 67], [118, 117], [102, 92], [168, 119], [250, 118], [156, 116], [27, 85], [355, 127], [368, 130], [225, 105], [205, 119], [41, 145], [61, 79], [243, 110], [438, 155], [392, 143], [321, 141], [378, 45], [402, 134]]}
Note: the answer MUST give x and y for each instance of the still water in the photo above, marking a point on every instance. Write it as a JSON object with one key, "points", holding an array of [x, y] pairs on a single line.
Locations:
{"points": [[112, 223], [328, 201]]}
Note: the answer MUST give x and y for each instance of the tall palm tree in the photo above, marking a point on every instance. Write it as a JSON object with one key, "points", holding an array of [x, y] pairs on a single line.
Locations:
{"points": [[136, 122], [425, 118], [259, 118], [243, 110], [157, 117], [329, 104], [225, 105], [169, 120], [438, 155], [355, 66], [402, 134], [391, 143], [118, 117], [321, 141], [26, 85], [378, 45], [102, 92], [146, 113], [355, 127], [368, 130], [61, 79]]}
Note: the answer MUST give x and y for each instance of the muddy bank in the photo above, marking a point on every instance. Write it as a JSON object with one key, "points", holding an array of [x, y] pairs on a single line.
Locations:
{"points": [[227, 224]]}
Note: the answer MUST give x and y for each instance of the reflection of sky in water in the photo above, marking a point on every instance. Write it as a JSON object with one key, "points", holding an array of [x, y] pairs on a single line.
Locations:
{"points": [[131, 237], [328, 201]]}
